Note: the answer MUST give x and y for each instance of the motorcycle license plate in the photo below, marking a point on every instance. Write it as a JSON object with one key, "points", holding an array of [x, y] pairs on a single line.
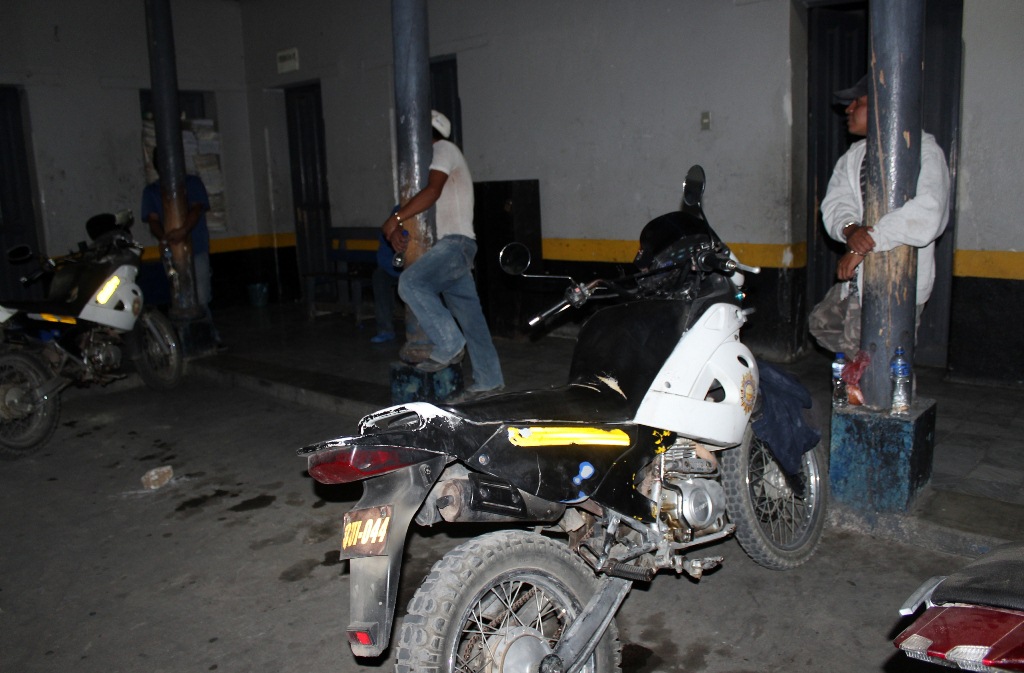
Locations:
{"points": [[366, 532]]}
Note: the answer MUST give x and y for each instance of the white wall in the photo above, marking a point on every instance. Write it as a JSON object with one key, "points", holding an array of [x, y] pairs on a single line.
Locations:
{"points": [[599, 100], [602, 101], [992, 137], [81, 64]]}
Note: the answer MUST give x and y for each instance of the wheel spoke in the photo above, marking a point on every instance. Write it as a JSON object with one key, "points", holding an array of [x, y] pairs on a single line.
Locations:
{"points": [[782, 515]]}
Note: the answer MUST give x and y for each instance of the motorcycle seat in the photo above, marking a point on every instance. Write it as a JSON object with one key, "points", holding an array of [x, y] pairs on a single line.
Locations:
{"points": [[995, 580], [571, 404]]}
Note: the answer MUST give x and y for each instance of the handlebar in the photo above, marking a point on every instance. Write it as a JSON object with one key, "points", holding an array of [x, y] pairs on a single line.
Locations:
{"points": [[708, 260], [576, 295]]}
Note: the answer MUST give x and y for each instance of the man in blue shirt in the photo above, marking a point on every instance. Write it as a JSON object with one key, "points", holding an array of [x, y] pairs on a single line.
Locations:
{"points": [[152, 212]]}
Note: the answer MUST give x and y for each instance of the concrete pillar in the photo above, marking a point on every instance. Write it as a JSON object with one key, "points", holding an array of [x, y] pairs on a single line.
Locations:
{"points": [[171, 161]]}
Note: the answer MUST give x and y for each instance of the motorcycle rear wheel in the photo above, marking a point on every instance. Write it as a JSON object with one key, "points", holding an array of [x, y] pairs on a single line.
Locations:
{"points": [[776, 527], [24, 427], [158, 357], [498, 603]]}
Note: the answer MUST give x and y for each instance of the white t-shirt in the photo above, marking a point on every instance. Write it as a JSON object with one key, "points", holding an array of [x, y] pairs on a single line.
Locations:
{"points": [[455, 205]]}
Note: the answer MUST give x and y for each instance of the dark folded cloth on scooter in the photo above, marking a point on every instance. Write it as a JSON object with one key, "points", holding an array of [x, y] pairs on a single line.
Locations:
{"points": [[781, 423]]}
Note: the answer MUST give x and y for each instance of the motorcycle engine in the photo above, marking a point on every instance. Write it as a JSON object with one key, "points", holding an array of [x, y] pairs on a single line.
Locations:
{"points": [[101, 352], [693, 501]]}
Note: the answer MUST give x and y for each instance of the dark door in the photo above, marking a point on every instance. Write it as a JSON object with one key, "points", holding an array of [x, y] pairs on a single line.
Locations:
{"points": [[309, 177], [838, 52], [444, 94], [17, 216]]}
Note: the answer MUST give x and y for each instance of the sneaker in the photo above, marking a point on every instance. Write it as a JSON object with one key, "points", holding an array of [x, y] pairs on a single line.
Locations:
{"points": [[382, 338], [432, 365]]}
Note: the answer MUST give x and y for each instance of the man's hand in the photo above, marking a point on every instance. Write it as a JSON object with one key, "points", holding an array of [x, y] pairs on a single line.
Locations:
{"points": [[399, 239], [858, 239], [848, 263]]}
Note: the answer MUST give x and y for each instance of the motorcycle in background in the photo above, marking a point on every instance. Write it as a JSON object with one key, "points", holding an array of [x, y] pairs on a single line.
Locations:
{"points": [[647, 456], [974, 618], [91, 319]]}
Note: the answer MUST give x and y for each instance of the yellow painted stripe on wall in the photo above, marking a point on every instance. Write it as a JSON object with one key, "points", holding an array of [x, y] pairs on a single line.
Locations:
{"points": [[1002, 264]]}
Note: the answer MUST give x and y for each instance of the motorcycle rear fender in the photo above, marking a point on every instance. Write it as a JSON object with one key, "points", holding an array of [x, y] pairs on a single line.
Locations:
{"points": [[374, 579]]}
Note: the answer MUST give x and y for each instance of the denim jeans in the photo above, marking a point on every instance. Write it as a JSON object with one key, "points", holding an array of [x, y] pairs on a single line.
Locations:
{"points": [[384, 300], [446, 271]]}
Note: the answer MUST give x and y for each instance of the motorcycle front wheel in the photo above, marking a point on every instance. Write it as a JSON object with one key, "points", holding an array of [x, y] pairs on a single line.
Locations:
{"points": [[157, 355], [778, 518], [25, 423], [499, 603]]}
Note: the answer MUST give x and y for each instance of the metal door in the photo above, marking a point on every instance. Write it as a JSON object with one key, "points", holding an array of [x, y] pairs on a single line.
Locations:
{"points": [[309, 177], [17, 215]]}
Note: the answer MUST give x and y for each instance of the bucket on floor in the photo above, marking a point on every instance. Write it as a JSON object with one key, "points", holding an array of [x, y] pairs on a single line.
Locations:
{"points": [[258, 294]]}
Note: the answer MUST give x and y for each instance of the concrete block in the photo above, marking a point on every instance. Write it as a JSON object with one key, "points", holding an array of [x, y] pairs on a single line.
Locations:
{"points": [[409, 384], [880, 462]]}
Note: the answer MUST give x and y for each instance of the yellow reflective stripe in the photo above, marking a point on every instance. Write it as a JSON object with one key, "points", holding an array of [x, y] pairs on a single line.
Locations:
{"points": [[49, 317], [561, 436]]}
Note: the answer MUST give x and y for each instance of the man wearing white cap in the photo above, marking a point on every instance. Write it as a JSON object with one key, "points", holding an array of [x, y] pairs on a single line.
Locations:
{"points": [[457, 324]]}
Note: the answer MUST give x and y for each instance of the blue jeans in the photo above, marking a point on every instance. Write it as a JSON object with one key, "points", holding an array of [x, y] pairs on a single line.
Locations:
{"points": [[446, 271], [383, 300]]}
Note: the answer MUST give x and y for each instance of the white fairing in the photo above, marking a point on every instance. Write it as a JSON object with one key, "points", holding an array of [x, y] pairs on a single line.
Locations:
{"points": [[708, 355], [123, 306], [5, 314]]}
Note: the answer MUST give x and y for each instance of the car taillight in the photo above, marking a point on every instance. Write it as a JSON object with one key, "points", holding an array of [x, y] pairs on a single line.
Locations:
{"points": [[354, 463]]}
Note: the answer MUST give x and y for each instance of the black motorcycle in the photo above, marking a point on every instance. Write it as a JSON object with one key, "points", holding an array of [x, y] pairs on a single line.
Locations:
{"points": [[91, 322], [644, 458]]}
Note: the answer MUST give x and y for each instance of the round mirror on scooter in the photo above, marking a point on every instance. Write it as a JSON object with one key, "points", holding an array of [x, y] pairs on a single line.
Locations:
{"points": [[693, 185], [514, 259]]}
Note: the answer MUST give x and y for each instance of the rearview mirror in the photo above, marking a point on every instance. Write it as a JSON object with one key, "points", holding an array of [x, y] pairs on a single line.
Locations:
{"points": [[693, 185], [19, 254], [514, 259]]}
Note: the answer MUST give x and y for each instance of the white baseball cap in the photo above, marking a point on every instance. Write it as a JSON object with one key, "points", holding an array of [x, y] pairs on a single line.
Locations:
{"points": [[441, 123]]}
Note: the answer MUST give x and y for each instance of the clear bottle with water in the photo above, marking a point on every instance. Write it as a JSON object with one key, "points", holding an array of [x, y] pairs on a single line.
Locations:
{"points": [[398, 261], [839, 397], [902, 388]]}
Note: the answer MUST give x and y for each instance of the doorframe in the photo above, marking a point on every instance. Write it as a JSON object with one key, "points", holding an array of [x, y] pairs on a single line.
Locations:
{"points": [[941, 97]]}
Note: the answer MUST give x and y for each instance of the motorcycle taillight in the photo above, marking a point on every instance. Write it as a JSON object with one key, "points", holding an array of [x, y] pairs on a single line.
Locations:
{"points": [[354, 463], [970, 637]]}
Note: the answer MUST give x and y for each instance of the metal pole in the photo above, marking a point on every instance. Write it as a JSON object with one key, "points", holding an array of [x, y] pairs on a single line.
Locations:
{"points": [[413, 141], [893, 164], [412, 111], [164, 82]]}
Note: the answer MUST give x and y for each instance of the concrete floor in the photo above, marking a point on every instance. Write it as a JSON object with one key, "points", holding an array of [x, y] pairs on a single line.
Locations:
{"points": [[233, 565]]}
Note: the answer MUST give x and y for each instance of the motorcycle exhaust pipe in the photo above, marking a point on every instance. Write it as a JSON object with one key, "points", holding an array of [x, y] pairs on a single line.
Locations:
{"points": [[479, 498]]}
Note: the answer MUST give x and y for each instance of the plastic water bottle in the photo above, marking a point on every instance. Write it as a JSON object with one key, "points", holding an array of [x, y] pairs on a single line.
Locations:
{"points": [[398, 261], [899, 374], [839, 398]]}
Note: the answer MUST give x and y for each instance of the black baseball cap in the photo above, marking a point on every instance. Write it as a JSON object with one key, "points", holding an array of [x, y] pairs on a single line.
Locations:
{"points": [[847, 96]]}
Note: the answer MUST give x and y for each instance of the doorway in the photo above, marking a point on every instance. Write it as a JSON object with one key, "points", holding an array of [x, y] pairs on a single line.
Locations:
{"points": [[310, 198], [17, 214], [838, 35]]}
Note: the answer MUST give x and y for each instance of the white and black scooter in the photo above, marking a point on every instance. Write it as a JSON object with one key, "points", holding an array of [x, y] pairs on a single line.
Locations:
{"points": [[652, 451], [91, 319]]}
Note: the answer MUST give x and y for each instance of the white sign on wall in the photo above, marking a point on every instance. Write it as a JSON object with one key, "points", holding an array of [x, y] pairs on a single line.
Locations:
{"points": [[288, 60]]}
